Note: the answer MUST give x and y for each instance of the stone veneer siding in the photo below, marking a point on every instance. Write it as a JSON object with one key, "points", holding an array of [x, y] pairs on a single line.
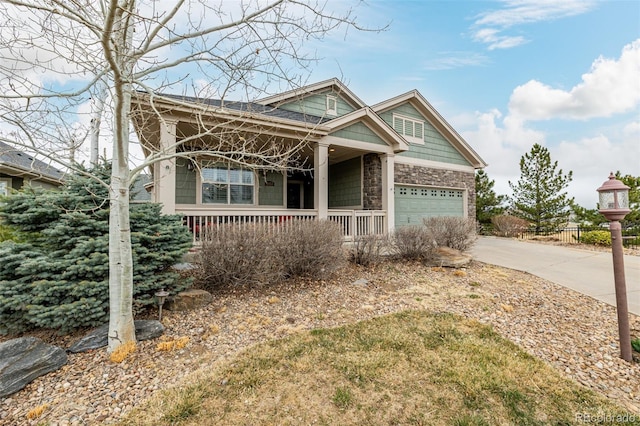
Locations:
{"points": [[418, 175], [372, 182]]}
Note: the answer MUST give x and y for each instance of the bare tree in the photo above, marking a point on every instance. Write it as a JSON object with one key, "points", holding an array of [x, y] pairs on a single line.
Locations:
{"points": [[56, 55]]}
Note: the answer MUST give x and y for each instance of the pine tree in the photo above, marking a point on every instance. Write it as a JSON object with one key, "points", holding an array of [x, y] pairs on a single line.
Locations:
{"points": [[539, 196], [58, 277], [632, 219], [488, 203]]}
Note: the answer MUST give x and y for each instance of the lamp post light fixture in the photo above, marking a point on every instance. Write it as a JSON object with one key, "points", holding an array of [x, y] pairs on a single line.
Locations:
{"points": [[162, 296], [614, 206]]}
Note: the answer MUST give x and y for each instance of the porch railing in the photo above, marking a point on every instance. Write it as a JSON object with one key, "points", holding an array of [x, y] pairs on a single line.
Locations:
{"points": [[353, 223]]}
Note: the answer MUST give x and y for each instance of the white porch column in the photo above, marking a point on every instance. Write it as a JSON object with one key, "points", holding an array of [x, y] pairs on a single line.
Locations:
{"points": [[321, 179], [164, 172], [388, 201]]}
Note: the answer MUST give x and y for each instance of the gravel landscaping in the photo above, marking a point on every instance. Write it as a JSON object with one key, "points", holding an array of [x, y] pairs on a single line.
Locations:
{"points": [[574, 333]]}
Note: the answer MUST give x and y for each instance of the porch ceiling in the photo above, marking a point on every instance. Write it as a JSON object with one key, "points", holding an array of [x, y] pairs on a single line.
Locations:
{"points": [[337, 154]]}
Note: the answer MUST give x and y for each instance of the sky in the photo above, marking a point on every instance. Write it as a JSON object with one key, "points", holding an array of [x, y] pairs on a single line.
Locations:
{"points": [[509, 74], [505, 74]]}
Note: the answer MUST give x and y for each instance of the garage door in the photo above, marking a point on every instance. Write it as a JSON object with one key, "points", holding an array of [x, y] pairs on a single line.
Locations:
{"points": [[412, 204]]}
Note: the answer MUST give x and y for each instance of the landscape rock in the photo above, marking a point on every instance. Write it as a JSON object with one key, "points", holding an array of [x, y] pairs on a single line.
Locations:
{"points": [[25, 359], [189, 300], [184, 266], [98, 338], [450, 258]]}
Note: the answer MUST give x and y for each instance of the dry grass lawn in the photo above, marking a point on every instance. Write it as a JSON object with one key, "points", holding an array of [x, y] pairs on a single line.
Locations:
{"points": [[410, 368]]}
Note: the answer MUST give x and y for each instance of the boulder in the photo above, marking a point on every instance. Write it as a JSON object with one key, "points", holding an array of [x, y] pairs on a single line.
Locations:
{"points": [[450, 258], [189, 300], [24, 359], [98, 338]]}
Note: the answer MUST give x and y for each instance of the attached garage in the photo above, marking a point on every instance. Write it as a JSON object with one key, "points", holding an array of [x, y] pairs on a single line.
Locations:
{"points": [[414, 203]]}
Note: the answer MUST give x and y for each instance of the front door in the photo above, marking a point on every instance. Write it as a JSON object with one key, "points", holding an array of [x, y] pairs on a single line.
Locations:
{"points": [[295, 194]]}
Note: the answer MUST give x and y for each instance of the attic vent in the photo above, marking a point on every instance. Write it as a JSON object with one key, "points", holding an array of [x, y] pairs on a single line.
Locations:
{"points": [[332, 105]]}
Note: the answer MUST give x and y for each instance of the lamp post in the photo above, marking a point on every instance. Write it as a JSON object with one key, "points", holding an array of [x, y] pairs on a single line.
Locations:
{"points": [[614, 206], [162, 296]]}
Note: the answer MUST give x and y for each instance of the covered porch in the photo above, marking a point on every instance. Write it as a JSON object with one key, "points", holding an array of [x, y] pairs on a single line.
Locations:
{"points": [[353, 223]]}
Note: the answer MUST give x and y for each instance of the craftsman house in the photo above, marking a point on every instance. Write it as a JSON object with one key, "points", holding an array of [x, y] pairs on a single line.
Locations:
{"points": [[18, 169], [370, 168]]}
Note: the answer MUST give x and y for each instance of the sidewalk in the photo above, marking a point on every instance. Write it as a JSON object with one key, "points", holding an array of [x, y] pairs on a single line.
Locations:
{"points": [[588, 272]]}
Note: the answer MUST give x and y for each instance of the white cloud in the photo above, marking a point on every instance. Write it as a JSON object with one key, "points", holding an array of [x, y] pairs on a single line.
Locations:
{"points": [[610, 87], [452, 60], [489, 26], [517, 12], [502, 142]]}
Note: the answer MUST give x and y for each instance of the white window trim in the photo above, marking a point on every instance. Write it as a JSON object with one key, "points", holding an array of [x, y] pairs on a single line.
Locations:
{"points": [[413, 121], [332, 105], [8, 187], [228, 204]]}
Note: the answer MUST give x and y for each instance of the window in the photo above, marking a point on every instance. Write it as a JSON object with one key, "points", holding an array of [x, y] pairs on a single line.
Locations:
{"points": [[410, 128], [5, 184], [223, 184], [332, 105]]}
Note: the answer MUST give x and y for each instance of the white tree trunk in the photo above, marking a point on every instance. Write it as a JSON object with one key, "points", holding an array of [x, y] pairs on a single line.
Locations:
{"points": [[121, 323], [96, 119]]}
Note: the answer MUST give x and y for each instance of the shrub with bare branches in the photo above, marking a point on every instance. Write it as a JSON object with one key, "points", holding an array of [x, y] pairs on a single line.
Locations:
{"points": [[508, 226], [455, 232], [413, 243], [368, 249], [312, 249], [256, 254], [239, 255]]}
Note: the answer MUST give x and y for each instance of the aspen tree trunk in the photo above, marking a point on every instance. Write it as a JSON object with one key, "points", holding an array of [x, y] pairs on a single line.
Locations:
{"points": [[96, 119], [121, 324]]}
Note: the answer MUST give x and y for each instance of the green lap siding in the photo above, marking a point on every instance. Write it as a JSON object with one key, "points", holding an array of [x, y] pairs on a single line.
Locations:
{"points": [[316, 104], [270, 191], [185, 182], [435, 148], [413, 204], [345, 188], [359, 132]]}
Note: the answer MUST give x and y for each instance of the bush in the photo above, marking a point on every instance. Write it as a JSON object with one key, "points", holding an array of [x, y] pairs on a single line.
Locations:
{"points": [[368, 249], [413, 243], [597, 238], [8, 233], [259, 254], [239, 255], [312, 249], [57, 277], [509, 226], [458, 233]]}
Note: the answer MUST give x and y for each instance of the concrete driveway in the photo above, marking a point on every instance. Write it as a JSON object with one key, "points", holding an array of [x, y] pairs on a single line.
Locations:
{"points": [[588, 272]]}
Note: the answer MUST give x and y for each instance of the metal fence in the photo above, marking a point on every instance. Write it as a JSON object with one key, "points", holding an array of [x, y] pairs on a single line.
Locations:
{"points": [[576, 235]]}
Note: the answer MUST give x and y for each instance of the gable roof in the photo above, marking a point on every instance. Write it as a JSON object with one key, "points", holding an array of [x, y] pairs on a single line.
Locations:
{"points": [[428, 111], [332, 83], [251, 108], [18, 163], [375, 123]]}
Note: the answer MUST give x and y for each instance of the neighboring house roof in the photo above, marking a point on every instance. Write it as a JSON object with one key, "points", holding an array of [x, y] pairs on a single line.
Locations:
{"points": [[138, 191], [18, 163]]}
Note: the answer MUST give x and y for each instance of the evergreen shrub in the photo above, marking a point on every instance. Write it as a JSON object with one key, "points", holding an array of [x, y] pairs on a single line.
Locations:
{"points": [[57, 276], [597, 238]]}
